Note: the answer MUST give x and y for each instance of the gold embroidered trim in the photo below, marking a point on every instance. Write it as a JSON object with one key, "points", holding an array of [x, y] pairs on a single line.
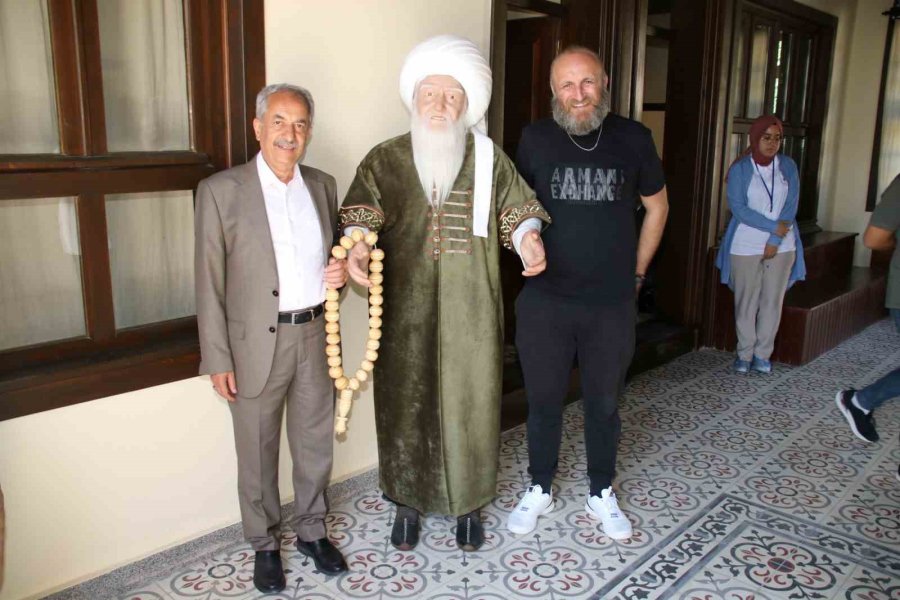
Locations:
{"points": [[460, 240], [512, 217], [449, 216], [361, 216], [454, 227]]}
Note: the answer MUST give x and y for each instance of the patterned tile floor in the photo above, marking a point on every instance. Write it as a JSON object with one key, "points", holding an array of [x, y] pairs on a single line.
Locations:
{"points": [[739, 487]]}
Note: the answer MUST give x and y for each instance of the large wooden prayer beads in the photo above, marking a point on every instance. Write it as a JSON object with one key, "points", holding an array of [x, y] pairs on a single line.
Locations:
{"points": [[345, 384]]}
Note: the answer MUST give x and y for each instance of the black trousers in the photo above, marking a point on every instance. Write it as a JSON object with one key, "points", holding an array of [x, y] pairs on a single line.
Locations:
{"points": [[550, 333]]}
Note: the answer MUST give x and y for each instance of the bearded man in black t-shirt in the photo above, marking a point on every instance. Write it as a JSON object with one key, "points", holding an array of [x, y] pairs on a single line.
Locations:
{"points": [[589, 169]]}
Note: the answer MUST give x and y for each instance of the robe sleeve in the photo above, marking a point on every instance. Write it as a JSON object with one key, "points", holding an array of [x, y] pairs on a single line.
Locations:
{"points": [[362, 205], [515, 201]]}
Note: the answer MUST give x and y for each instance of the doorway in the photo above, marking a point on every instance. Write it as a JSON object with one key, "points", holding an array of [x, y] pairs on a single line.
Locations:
{"points": [[650, 110], [532, 39], [633, 40]]}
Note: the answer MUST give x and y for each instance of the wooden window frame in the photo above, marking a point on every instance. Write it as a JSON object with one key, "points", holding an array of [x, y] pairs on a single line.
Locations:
{"points": [[875, 165], [822, 28], [226, 68]]}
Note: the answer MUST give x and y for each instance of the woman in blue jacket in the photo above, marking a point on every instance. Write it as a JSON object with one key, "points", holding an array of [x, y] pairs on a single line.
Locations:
{"points": [[761, 256]]}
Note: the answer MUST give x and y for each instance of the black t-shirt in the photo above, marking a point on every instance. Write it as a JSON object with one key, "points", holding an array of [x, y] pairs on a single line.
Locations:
{"points": [[592, 197]]}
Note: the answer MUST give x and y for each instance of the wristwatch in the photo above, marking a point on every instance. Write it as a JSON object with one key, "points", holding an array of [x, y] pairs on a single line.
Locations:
{"points": [[639, 279]]}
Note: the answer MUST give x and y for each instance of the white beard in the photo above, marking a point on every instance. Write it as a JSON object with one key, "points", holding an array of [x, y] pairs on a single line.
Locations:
{"points": [[438, 156]]}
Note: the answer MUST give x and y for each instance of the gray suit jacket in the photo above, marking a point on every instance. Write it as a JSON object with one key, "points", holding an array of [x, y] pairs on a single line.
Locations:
{"points": [[235, 271]]}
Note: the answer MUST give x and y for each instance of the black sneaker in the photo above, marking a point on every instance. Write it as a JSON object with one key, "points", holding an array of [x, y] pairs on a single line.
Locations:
{"points": [[862, 424]]}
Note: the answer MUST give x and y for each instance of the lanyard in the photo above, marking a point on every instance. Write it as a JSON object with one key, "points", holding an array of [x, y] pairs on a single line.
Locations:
{"points": [[771, 192]]}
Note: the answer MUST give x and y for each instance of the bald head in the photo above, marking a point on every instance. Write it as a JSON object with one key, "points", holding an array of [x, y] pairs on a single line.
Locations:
{"points": [[576, 55]]}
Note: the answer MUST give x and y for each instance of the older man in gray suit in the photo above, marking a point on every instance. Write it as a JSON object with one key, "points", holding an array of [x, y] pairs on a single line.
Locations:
{"points": [[263, 236]]}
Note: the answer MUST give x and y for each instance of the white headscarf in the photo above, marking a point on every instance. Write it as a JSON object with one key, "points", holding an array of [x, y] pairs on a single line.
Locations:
{"points": [[460, 59]]}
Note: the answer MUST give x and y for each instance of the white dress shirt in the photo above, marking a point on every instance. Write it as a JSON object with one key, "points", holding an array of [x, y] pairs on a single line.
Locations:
{"points": [[296, 237], [749, 241]]}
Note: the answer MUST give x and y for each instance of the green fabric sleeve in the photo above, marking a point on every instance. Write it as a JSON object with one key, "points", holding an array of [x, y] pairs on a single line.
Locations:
{"points": [[362, 204], [515, 200]]}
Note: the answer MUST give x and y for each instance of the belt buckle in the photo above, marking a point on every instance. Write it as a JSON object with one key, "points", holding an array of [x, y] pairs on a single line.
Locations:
{"points": [[295, 317]]}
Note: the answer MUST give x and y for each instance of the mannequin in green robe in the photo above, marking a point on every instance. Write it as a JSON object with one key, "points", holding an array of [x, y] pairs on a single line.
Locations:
{"points": [[438, 377], [439, 372]]}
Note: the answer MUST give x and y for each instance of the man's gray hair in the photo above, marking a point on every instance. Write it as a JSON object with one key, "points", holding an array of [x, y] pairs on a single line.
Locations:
{"points": [[301, 93]]}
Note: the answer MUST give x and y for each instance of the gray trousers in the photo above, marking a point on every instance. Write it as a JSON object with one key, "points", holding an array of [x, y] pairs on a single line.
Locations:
{"points": [[759, 288], [299, 378]]}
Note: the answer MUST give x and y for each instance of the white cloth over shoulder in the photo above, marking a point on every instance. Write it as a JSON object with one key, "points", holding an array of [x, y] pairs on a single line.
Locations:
{"points": [[484, 177]]}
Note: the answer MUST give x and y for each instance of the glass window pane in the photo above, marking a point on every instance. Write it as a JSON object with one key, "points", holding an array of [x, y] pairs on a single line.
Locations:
{"points": [[799, 156], [889, 155], [797, 110], [41, 296], [738, 144], [144, 75], [28, 116], [738, 96], [782, 72], [795, 147], [151, 253], [759, 65]]}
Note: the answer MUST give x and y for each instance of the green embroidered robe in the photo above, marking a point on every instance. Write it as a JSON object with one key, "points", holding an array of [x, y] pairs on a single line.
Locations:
{"points": [[439, 372]]}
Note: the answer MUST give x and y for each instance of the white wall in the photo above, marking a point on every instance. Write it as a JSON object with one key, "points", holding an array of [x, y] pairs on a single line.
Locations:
{"points": [[852, 106], [101, 484], [350, 60], [98, 485]]}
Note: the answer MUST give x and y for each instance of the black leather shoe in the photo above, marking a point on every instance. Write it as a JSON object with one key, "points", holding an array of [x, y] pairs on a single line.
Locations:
{"points": [[268, 576], [328, 559], [469, 532], [405, 532]]}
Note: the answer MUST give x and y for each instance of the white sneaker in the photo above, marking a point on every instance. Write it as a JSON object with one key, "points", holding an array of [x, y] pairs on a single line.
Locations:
{"points": [[533, 504], [606, 508]]}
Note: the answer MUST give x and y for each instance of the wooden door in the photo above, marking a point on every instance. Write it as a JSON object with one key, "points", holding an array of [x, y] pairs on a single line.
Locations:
{"points": [[531, 45]]}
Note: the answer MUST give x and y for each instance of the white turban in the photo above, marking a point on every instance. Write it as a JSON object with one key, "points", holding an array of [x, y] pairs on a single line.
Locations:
{"points": [[460, 59]]}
